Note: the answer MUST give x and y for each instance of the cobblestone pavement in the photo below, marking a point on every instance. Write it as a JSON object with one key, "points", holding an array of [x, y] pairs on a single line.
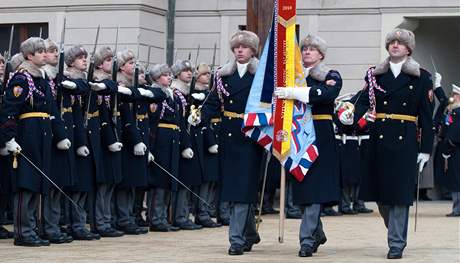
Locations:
{"points": [[356, 238]]}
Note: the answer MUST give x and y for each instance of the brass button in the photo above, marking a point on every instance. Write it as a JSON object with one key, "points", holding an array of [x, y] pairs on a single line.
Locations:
{"points": [[173, 141], [89, 132], [229, 118], [411, 87], [404, 104], [381, 136], [402, 121], [229, 135], [231, 101], [400, 137], [383, 120], [385, 103], [44, 133], [65, 127], [196, 135]]}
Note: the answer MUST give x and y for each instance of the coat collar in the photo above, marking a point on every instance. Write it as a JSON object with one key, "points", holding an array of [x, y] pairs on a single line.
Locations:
{"points": [[230, 68], [410, 67], [183, 87], [32, 69], [51, 71], [319, 72], [124, 79], [74, 73], [100, 75], [201, 87]]}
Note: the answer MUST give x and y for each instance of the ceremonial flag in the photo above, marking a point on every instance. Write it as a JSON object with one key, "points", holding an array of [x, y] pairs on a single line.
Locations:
{"points": [[284, 127]]}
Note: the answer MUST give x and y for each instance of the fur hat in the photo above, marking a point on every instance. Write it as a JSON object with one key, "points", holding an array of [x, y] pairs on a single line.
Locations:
{"points": [[316, 42], [73, 53], [101, 55], [404, 36], [16, 60], [202, 68], [246, 38], [32, 45], [455, 89], [125, 56], [181, 65], [50, 45], [156, 71]]}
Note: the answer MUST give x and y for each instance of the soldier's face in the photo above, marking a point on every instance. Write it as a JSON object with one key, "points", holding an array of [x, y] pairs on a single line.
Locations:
{"points": [[52, 57], [164, 80], [186, 75], [128, 67], [398, 50], [80, 63], [243, 54], [204, 78], [311, 56], [106, 66], [38, 58]]}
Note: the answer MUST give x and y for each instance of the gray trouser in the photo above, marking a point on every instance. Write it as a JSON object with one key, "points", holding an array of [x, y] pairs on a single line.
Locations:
{"points": [[77, 215], [242, 227], [52, 212], [456, 203], [396, 219], [203, 209], [102, 211], [25, 208], [224, 210], [182, 208], [311, 223], [158, 207], [290, 207], [125, 204]]}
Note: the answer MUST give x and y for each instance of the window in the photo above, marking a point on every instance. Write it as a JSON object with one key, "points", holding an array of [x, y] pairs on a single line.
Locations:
{"points": [[21, 33]]}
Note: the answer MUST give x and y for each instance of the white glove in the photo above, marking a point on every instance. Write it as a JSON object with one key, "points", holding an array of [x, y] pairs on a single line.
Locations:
{"points": [[145, 92], [83, 151], [346, 117], [4, 151], [115, 147], [437, 80], [198, 96], [446, 156], [97, 86], [192, 121], [139, 149], [69, 84], [151, 158], [187, 153], [214, 149], [64, 144], [422, 158], [124, 90], [13, 146], [300, 94]]}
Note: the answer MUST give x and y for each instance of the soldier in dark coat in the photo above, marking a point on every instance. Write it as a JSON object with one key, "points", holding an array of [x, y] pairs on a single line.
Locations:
{"points": [[63, 155], [322, 182], [165, 140], [400, 95], [206, 149], [450, 149], [134, 151], [86, 126], [190, 170], [25, 120], [240, 156]]}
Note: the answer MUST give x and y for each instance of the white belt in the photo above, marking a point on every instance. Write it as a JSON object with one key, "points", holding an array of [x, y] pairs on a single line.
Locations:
{"points": [[344, 138]]}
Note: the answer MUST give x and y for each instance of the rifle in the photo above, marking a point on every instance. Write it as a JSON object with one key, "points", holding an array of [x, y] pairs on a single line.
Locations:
{"points": [[114, 101], [147, 75], [8, 67], [41, 31], [90, 75], [60, 75], [213, 65], [193, 82], [136, 80]]}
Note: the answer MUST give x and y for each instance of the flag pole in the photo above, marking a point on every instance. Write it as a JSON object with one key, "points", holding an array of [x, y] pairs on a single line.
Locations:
{"points": [[282, 204]]}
